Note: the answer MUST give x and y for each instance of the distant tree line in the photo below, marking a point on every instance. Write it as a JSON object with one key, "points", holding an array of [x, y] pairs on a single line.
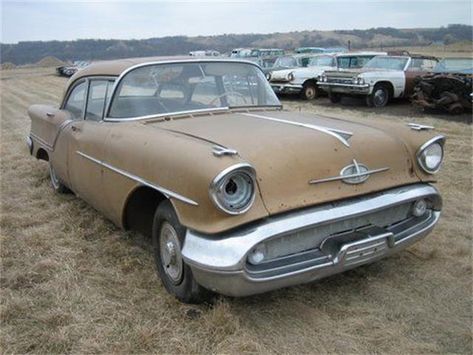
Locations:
{"points": [[97, 49]]}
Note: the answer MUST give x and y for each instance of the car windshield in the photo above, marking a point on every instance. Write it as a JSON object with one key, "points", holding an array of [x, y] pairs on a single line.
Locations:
{"points": [[169, 88], [385, 62], [455, 65], [321, 61], [286, 62]]}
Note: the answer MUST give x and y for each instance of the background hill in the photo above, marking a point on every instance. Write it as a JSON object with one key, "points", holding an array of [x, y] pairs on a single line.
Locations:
{"points": [[95, 49]]}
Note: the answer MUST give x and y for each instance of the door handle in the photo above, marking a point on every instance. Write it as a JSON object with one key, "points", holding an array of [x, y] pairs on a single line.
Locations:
{"points": [[75, 129], [49, 114]]}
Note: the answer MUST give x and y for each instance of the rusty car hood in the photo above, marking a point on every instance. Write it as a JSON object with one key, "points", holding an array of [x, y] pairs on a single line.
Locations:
{"points": [[287, 153]]}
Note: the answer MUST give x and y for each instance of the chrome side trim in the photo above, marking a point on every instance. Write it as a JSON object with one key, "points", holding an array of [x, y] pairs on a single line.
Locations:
{"points": [[164, 191], [420, 127], [359, 174], [42, 142], [338, 134]]}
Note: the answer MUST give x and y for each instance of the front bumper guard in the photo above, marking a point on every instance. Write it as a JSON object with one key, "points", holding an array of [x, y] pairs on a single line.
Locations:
{"points": [[283, 88], [219, 262], [343, 88]]}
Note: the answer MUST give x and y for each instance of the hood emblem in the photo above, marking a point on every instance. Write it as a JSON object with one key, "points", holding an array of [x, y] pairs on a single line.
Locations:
{"points": [[355, 173], [352, 174]]}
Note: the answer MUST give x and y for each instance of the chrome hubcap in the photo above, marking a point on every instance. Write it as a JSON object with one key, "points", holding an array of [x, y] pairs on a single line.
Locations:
{"points": [[309, 92], [170, 250], [380, 97]]}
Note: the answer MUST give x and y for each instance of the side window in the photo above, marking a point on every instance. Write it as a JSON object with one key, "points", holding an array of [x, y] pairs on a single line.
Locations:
{"points": [[76, 101], [99, 92]]}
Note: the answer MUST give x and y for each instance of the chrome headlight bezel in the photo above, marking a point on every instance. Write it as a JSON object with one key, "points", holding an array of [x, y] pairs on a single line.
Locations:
{"points": [[216, 189], [290, 76], [268, 76], [420, 155], [360, 81]]}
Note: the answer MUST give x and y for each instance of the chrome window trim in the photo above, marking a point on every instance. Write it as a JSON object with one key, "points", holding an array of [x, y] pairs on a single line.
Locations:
{"points": [[247, 168], [87, 80], [107, 118], [169, 114], [163, 190], [437, 139]]}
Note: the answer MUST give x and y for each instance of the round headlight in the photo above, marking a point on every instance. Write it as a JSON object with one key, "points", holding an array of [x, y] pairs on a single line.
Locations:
{"points": [[354, 80], [361, 81], [430, 155], [233, 190], [290, 76], [268, 76]]}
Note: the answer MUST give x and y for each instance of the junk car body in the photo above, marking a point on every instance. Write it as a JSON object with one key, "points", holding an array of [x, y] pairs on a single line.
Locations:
{"points": [[239, 196], [303, 81], [383, 78], [448, 87]]}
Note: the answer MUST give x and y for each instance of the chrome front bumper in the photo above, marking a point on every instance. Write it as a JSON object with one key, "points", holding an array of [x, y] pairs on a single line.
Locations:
{"points": [[282, 88], [219, 262], [341, 88]]}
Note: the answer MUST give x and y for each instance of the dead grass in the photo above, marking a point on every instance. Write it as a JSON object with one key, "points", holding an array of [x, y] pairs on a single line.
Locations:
{"points": [[72, 282]]}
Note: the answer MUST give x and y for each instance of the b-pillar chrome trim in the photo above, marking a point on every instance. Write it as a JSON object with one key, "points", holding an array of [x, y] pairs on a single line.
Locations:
{"points": [[163, 190]]}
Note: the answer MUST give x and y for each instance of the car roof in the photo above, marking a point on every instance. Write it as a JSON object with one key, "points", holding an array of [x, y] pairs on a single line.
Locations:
{"points": [[117, 67]]}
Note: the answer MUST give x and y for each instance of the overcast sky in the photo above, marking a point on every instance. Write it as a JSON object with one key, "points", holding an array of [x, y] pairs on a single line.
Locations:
{"points": [[69, 20]]}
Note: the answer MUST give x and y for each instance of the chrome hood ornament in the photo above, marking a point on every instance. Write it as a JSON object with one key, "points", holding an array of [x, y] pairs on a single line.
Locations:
{"points": [[353, 174]]}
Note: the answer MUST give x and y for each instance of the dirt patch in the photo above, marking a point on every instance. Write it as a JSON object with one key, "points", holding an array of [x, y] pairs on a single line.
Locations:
{"points": [[67, 284], [49, 62]]}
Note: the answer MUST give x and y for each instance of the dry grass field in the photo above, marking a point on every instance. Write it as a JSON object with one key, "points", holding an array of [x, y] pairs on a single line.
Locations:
{"points": [[72, 282]]}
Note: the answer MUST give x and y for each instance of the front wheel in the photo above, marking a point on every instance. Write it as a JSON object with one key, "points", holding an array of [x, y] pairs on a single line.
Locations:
{"points": [[56, 183], [309, 91], [379, 97], [168, 238]]}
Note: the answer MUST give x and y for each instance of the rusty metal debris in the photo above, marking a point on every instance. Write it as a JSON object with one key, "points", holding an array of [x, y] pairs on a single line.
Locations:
{"points": [[449, 92]]}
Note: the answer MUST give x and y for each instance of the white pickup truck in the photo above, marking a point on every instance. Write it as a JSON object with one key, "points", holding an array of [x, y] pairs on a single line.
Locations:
{"points": [[303, 81], [380, 80]]}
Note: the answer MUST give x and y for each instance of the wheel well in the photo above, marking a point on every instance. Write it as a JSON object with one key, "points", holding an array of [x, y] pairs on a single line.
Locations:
{"points": [[389, 85], [140, 207], [310, 81], [42, 154]]}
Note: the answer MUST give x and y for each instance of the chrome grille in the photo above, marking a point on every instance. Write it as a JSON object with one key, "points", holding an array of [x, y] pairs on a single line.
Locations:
{"points": [[310, 238]]}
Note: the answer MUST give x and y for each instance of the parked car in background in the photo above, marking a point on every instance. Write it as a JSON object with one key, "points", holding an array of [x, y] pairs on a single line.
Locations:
{"points": [[70, 70], [319, 50], [380, 80], [204, 53], [303, 81], [289, 62], [448, 87], [256, 52], [237, 195]]}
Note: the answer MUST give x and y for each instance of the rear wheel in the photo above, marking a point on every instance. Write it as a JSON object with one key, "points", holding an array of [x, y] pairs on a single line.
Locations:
{"points": [[56, 183], [309, 91], [379, 97], [168, 238]]}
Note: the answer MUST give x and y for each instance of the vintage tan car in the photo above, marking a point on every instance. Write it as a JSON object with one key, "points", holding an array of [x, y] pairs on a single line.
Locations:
{"points": [[239, 196]]}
